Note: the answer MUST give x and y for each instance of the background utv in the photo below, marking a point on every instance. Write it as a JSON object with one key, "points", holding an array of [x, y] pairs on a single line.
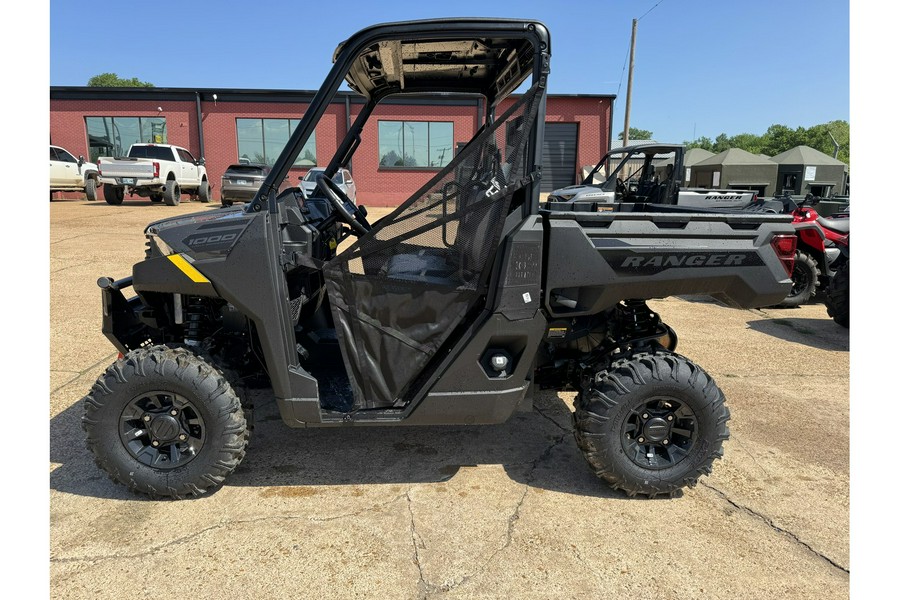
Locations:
{"points": [[447, 311]]}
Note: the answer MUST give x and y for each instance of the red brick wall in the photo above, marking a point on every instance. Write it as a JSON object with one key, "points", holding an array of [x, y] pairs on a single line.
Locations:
{"points": [[377, 186]]}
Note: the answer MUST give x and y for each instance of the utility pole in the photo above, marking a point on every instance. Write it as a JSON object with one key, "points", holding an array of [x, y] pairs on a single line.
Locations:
{"points": [[630, 78]]}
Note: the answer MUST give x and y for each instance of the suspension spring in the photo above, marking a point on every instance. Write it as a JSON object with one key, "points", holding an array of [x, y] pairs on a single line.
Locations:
{"points": [[198, 317], [637, 320]]}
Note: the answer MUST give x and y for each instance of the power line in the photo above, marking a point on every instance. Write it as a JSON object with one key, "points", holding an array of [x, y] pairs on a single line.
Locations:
{"points": [[651, 10], [627, 53]]}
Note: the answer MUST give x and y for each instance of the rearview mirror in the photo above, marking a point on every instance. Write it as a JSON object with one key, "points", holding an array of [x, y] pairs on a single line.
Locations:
{"points": [[80, 159]]}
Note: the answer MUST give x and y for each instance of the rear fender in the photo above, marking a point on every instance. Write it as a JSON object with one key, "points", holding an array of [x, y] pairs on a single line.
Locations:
{"points": [[811, 236]]}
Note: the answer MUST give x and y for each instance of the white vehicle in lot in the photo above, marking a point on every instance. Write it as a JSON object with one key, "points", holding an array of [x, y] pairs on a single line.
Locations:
{"points": [[70, 174], [646, 184], [342, 178], [161, 172]]}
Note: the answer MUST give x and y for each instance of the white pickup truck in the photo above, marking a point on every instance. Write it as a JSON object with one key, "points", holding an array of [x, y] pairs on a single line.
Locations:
{"points": [[161, 172], [646, 183], [70, 174]]}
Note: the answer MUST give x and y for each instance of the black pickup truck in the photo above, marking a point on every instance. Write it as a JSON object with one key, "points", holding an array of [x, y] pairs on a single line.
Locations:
{"points": [[450, 310]]}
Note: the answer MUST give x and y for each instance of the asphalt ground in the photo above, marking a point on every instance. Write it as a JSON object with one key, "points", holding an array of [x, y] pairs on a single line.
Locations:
{"points": [[459, 512]]}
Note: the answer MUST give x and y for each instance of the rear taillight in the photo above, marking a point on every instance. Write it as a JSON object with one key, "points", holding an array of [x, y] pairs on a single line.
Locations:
{"points": [[785, 247], [156, 169], [755, 197]]}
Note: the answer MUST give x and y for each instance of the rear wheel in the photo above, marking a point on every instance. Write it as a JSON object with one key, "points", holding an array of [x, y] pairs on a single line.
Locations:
{"points": [[837, 298], [651, 424], [203, 192], [804, 280], [156, 197], [90, 189], [172, 195], [113, 194], [226, 202], [165, 422]]}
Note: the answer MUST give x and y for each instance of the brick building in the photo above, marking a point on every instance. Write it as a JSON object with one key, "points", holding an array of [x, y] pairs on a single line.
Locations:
{"points": [[405, 142]]}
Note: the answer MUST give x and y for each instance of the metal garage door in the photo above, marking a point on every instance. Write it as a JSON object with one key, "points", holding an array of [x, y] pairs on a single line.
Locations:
{"points": [[559, 154]]}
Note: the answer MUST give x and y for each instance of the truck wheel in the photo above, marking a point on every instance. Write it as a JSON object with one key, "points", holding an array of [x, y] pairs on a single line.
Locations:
{"points": [[165, 422], [804, 281], [156, 197], [226, 202], [837, 298], [651, 424], [172, 195], [113, 194], [90, 189], [203, 192]]}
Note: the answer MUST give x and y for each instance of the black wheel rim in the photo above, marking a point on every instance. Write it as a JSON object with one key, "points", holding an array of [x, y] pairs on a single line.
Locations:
{"points": [[659, 433], [162, 430], [799, 279]]}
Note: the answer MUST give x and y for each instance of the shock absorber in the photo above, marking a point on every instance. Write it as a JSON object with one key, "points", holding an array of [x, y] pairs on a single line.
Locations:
{"points": [[198, 317], [637, 320]]}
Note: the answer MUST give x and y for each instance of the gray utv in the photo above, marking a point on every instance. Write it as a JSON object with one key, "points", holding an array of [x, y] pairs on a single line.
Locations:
{"points": [[450, 310]]}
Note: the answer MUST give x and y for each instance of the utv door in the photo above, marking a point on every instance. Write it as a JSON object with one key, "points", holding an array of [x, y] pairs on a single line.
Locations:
{"points": [[402, 290]]}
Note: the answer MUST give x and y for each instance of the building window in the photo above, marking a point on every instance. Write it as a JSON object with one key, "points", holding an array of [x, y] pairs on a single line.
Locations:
{"points": [[113, 136], [262, 140], [418, 144]]}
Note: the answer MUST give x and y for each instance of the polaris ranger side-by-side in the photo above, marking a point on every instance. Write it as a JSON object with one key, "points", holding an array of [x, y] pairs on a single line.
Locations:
{"points": [[637, 175], [450, 310]]}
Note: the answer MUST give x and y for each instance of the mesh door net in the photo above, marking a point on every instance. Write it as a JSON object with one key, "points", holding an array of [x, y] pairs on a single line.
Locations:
{"points": [[401, 290]]}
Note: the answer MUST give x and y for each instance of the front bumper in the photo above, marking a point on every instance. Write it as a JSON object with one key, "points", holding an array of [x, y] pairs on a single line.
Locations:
{"points": [[121, 323]]}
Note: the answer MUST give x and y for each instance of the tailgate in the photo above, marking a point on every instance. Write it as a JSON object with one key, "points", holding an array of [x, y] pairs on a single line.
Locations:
{"points": [[595, 260], [125, 167]]}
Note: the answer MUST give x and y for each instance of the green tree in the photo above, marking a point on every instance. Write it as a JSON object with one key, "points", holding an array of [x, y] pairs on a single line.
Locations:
{"points": [[779, 138], [701, 142], [113, 80], [636, 134]]}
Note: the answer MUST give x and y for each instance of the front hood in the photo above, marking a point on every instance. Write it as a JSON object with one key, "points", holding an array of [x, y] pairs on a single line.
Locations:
{"points": [[205, 234]]}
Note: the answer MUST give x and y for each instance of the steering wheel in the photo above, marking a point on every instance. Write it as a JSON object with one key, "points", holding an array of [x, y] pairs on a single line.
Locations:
{"points": [[339, 201]]}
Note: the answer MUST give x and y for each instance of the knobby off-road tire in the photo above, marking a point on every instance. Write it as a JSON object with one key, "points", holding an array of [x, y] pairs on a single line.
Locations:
{"points": [[804, 279], [176, 399], [837, 298], [651, 424], [90, 189], [203, 192], [172, 195]]}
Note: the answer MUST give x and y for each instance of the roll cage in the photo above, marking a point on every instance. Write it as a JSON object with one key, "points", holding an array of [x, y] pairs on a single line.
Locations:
{"points": [[489, 57]]}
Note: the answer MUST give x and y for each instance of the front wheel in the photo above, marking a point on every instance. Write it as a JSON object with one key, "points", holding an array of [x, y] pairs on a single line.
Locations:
{"points": [[651, 424], [804, 281], [90, 189], [165, 422], [203, 192]]}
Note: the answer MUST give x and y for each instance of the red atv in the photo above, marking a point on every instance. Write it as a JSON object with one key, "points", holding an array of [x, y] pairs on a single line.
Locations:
{"points": [[823, 246]]}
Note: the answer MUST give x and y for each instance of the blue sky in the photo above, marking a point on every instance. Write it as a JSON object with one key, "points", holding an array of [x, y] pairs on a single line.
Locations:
{"points": [[702, 67]]}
